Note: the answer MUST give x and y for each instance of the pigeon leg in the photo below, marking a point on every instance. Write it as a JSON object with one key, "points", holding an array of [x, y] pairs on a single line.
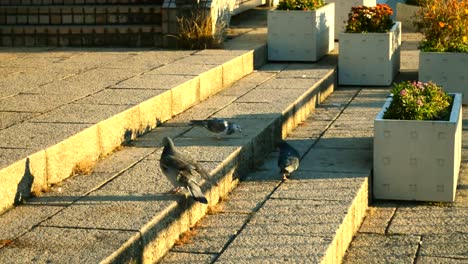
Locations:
{"points": [[175, 190]]}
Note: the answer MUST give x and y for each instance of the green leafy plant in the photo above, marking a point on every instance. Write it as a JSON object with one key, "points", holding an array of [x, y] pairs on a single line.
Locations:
{"points": [[300, 4], [363, 19], [444, 24], [419, 101]]}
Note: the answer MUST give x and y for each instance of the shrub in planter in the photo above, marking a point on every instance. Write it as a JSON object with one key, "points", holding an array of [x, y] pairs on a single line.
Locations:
{"points": [[444, 24], [300, 30], [373, 19], [300, 4], [444, 50], [418, 101], [369, 49], [417, 144]]}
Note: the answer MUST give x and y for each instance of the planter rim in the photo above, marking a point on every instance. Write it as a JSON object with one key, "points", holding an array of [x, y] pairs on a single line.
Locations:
{"points": [[325, 5], [456, 106], [442, 52], [393, 28]]}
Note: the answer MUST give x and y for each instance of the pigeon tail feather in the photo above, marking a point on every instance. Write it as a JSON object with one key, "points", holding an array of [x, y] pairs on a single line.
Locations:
{"points": [[202, 123], [196, 192]]}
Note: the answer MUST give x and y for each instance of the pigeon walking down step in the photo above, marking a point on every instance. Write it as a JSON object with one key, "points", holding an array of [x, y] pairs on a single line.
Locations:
{"points": [[288, 160], [218, 126], [183, 171]]}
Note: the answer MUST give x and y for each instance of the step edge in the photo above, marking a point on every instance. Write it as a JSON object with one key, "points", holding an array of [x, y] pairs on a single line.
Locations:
{"points": [[7, 204]]}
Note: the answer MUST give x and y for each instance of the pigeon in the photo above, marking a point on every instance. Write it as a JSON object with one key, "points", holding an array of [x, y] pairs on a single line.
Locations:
{"points": [[288, 160], [183, 171], [218, 126]]}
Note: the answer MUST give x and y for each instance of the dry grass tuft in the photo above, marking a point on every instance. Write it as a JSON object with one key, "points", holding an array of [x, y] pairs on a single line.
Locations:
{"points": [[187, 236], [84, 167], [215, 209], [195, 31], [4, 242]]}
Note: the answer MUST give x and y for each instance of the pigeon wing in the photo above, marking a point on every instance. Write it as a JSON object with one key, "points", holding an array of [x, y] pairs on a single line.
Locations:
{"points": [[197, 167], [217, 125], [196, 192]]}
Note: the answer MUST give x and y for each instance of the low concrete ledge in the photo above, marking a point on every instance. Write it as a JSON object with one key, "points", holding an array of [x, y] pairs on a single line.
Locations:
{"points": [[130, 208], [62, 143]]}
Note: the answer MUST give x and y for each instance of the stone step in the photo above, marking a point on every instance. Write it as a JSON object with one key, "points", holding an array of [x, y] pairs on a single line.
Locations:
{"points": [[312, 216], [81, 35], [121, 211], [98, 99], [81, 15], [77, 2]]}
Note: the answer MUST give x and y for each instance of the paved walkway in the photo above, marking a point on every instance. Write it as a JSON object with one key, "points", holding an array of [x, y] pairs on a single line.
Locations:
{"points": [[266, 220], [336, 144]]}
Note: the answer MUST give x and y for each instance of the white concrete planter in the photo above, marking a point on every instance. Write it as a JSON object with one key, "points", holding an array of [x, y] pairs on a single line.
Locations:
{"points": [[300, 35], [406, 14], [447, 69], [417, 160], [342, 9], [369, 58]]}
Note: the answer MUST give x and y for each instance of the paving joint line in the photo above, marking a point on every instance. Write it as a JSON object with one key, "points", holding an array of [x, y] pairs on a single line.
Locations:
{"points": [[330, 124], [247, 221], [390, 221], [416, 255], [91, 228]]}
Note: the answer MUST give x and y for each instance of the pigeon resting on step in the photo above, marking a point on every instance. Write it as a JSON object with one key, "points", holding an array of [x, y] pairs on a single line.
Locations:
{"points": [[218, 126], [183, 171], [288, 160]]}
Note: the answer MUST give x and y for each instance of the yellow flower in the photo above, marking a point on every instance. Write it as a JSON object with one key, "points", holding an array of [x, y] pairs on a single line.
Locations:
{"points": [[466, 11], [441, 24], [465, 39]]}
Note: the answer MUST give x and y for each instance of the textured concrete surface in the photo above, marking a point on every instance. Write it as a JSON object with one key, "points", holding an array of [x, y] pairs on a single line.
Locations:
{"points": [[339, 138], [49, 95], [122, 209], [298, 220], [126, 193]]}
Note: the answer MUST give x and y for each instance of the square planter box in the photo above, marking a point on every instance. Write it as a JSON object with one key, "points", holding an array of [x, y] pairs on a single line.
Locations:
{"points": [[342, 9], [447, 69], [300, 35], [369, 58], [417, 160]]}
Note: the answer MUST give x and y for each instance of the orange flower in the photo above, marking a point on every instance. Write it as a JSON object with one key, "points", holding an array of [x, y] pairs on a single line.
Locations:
{"points": [[441, 24]]}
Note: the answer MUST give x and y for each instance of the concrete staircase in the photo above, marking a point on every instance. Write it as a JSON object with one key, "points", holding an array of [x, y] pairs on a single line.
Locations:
{"points": [[81, 23], [122, 213], [115, 207]]}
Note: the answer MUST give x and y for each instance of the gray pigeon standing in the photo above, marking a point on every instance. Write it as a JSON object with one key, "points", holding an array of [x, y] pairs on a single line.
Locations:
{"points": [[183, 171], [288, 160], [218, 126]]}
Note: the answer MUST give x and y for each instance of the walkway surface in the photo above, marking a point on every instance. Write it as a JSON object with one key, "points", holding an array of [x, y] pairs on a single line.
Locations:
{"points": [[264, 219], [336, 142]]}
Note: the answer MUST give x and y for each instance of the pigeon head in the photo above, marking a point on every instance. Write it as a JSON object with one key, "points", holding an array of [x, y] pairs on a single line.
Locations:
{"points": [[167, 142], [237, 128], [232, 128]]}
